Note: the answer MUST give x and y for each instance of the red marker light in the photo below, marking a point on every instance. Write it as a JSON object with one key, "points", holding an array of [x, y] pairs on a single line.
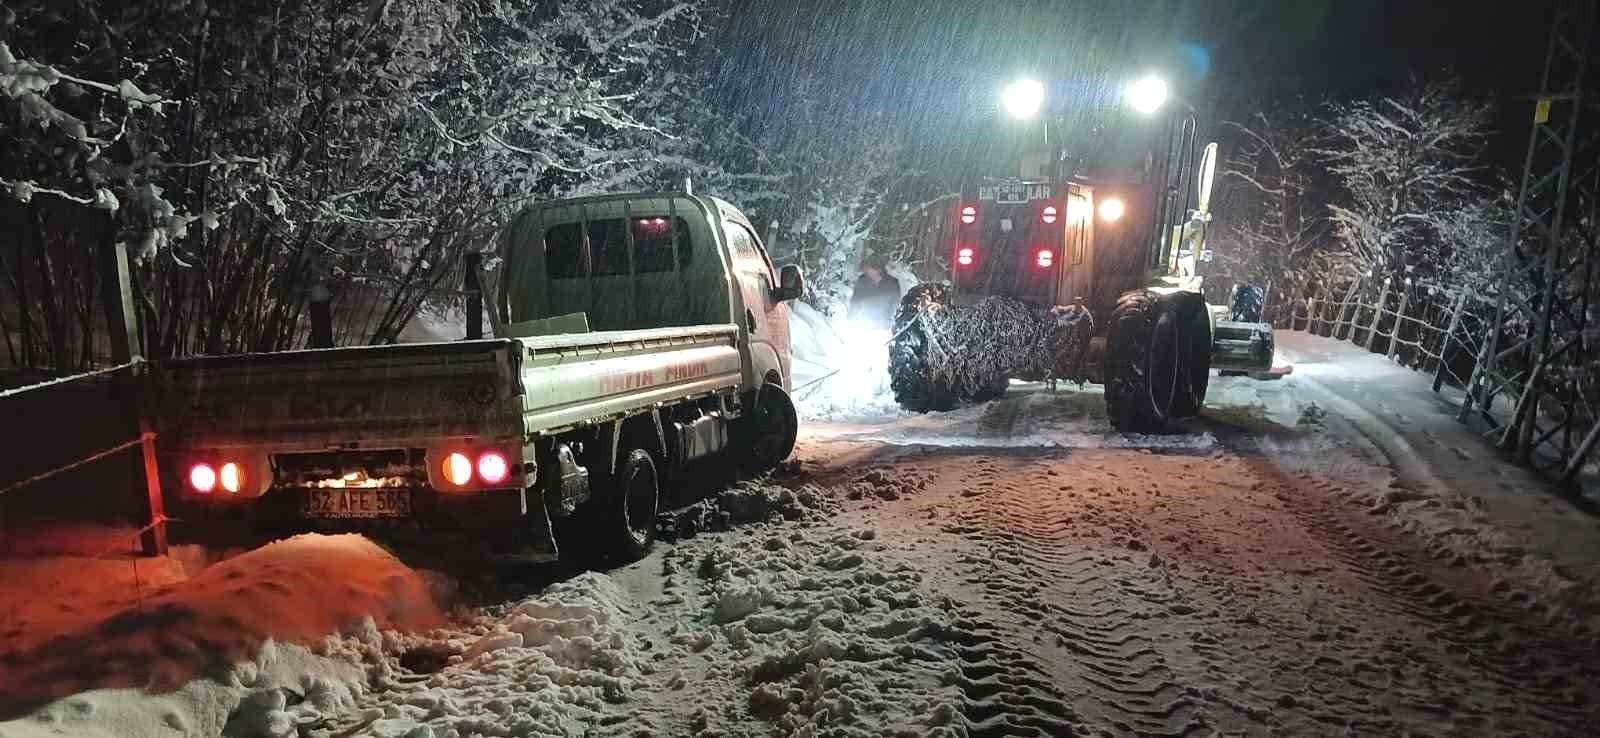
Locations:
{"points": [[1045, 258], [964, 257], [969, 214], [492, 468], [203, 478], [457, 469], [1049, 215]]}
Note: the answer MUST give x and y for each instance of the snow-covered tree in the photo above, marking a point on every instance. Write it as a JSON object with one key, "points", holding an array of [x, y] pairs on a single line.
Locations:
{"points": [[1271, 227], [362, 146], [1406, 165]]}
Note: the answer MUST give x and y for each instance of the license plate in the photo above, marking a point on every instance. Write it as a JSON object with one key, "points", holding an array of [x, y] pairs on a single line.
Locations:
{"points": [[1014, 193], [357, 503]]}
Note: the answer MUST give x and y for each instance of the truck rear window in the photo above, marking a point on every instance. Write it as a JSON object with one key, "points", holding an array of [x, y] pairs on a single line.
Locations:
{"points": [[566, 258]]}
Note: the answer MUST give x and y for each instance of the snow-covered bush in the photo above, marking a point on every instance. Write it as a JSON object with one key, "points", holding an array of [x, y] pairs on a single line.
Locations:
{"points": [[1407, 166], [358, 147], [1270, 227]]}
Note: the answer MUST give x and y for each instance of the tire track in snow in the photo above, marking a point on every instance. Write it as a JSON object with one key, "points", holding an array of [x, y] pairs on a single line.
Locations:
{"points": [[1545, 671], [1121, 680]]}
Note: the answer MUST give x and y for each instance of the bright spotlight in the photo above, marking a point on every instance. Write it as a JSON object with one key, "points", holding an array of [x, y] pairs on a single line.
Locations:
{"points": [[1112, 208], [1023, 98], [1148, 94]]}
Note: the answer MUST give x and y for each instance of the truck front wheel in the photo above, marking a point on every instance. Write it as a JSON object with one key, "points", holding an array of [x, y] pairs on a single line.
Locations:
{"points": [[769, 430], [637, 499]]}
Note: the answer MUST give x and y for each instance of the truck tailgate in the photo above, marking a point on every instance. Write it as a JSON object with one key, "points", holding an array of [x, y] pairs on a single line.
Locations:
{"points": [[317, 398]]}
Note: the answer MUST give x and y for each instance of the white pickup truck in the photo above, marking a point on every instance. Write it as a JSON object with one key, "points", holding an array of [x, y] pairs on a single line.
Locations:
{"points": [[634, 334]]}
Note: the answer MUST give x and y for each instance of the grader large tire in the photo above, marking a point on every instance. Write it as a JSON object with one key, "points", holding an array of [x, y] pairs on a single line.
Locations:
{"points": [[1194, 353], [910, 374], [1141, 363]]}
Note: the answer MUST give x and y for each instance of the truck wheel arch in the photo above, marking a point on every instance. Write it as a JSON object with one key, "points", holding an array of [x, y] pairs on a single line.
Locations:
{"points": [[642, 431]]}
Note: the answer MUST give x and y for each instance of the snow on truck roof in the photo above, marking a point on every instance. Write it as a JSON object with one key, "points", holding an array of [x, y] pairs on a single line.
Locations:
{"points": [[726, 209]]}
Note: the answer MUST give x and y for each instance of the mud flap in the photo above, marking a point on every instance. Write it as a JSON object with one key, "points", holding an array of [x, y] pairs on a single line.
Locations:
{"points": [[536, 541]]}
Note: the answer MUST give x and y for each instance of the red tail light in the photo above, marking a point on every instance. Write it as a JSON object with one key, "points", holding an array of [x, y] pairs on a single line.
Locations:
{"points": [[232, 477], [457, 469], [492, 467], [202, 478], [964, 256], [1049, 214], [1045, 258], [969, 214]]}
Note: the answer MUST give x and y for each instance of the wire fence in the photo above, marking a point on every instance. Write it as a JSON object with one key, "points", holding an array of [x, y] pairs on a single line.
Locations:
{"points": [[1432, 329], [73, 448]]}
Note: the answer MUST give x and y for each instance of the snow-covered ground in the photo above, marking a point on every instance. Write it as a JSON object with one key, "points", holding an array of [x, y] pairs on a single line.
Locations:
{"points": [[1325, 554]]}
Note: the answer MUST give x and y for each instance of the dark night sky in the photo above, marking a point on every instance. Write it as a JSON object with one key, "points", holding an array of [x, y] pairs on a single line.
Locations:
{"points": [[932, 68]]}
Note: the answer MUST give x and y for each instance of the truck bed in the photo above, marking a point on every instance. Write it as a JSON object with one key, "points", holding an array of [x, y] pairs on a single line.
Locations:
{"points": [[494, 388]]}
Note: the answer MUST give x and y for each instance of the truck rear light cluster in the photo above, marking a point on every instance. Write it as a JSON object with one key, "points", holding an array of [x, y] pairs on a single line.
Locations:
{"points": [[965, 256], [205, 478], [969, 214], [491, 467], [1045, 258]]}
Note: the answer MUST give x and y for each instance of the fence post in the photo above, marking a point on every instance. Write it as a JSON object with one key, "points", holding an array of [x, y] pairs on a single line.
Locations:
{"points": [[1322, 308], [123, 325], [1377, 315], [473, 286], [1449, 339], [1399, 319], [116, 291], [1348, 313]]}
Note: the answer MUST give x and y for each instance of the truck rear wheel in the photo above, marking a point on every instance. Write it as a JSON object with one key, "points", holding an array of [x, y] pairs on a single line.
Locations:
{"points": [[1194, 353], [1141, 365], [911, 375], [637, 498]]}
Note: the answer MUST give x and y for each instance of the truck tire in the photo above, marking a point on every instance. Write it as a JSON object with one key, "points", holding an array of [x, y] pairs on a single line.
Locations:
{"points": [[910, 373], [1141, 365], [770, 428], [636, 499], [1194, 353]]}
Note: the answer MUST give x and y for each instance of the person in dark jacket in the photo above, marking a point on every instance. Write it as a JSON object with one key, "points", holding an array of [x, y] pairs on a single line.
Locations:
{"points": [[876, 296]]}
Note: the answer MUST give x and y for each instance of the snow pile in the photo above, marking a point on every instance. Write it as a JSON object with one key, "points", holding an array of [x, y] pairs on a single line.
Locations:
{"points": [[276, 640], [746, 502], [548, 665], [283, 688], [841, 369]]}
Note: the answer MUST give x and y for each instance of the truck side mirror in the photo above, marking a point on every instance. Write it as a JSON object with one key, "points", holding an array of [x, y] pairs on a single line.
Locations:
{"points": [[791, 284]]}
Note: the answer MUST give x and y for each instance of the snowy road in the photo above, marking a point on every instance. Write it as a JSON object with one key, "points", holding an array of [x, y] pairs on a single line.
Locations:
{"points": [[1325, 555]]}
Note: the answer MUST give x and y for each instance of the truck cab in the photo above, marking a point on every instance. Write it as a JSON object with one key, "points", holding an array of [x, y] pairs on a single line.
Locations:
{"points": [[628, 262]]}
